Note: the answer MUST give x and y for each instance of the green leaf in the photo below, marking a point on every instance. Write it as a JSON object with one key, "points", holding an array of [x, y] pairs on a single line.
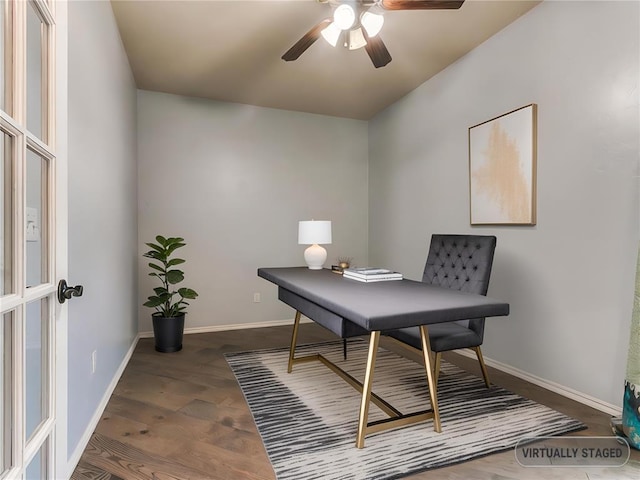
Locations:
{"points": [[172, 240], [157, 248], [153, 302], [161, 240], [160, 291], [175, 276], [160, 256], [187, 293], [161, 296], [174, 247], [175, 261], [157, 267]]}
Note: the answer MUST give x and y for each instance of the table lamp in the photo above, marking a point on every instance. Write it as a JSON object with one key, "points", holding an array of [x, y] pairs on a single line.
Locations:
{"points": [[314, 232]]}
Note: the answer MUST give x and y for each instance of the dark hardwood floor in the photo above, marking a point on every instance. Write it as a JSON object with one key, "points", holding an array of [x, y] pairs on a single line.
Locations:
{"points": [[183, 416]]}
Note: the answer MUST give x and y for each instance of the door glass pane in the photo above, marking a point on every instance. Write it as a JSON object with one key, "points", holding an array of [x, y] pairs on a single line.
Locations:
{"points": [[36, 367], [36, 216], [5, 391], [35, 74], [6, 215], [37, 469]]}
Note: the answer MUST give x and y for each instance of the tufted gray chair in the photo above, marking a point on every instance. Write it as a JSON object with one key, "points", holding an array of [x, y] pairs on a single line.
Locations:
{"points": [[459, 262]]}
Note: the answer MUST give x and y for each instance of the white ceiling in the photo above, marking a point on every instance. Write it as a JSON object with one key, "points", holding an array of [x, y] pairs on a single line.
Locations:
{"points": [[230, 51]]}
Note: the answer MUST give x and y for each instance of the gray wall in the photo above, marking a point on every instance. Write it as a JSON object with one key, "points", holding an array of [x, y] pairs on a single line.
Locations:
{"points": [[570, 278], [102, 208], [234, 180]]}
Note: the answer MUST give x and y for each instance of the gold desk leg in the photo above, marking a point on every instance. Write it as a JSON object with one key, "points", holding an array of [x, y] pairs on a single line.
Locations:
{"points": [[426, 353], [294, 338], [436, 368], [366, 389], [483, 367]]}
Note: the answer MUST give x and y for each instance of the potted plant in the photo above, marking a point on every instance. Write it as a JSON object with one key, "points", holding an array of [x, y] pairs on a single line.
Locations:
{"points": [[168, 300]]}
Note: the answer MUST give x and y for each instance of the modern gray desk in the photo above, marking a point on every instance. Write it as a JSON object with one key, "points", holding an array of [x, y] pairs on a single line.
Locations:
{"points": [[349, 308]]}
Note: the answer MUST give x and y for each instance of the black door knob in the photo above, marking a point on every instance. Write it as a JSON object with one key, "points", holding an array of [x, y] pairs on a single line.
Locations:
{"points": [[65, 292]]}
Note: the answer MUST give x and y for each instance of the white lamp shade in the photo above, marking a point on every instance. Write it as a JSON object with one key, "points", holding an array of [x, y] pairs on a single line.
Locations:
{"points": [[312, 232], [331, 34], [344, 16], [372, 23]]}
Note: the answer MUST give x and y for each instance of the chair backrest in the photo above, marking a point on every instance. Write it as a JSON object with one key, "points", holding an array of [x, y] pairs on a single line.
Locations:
{"points": [[460, 262]]}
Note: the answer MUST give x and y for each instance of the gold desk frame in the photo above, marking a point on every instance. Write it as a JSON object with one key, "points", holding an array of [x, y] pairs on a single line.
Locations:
{"points": [[396, 418]]}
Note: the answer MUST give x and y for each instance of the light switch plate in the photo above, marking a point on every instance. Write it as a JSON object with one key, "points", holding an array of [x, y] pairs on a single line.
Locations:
{"points": [[33, 226]]}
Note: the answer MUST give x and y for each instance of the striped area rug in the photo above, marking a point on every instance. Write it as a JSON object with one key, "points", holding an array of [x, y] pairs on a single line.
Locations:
{"points": [[308, 419]]}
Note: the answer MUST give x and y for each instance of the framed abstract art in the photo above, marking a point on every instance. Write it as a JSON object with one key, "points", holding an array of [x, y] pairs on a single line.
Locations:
{"points": [[502, 169]]}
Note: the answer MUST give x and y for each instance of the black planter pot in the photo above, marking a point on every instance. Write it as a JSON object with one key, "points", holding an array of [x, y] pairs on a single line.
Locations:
{"points": [[168, 332]]}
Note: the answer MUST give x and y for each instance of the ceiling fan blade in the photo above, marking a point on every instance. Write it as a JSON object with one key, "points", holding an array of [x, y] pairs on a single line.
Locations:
{"points": [[377, 50], [306, 41], [421, 4]]}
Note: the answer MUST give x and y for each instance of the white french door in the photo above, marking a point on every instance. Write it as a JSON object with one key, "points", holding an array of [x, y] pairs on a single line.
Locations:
{"points": [[32, 243]]}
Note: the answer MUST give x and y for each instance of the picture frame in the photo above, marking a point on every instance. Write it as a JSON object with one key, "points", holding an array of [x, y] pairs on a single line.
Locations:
{"points": [[502, 169]]}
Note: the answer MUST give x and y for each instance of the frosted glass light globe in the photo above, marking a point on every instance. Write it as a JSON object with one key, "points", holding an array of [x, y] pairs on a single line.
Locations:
{"points": [[372, 23], [331, 34], [344, 16]]}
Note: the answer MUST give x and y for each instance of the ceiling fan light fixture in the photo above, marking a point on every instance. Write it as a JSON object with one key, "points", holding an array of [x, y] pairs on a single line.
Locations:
{"points": [[344, 16], [331, 34], [372, 23], [356, 39]]}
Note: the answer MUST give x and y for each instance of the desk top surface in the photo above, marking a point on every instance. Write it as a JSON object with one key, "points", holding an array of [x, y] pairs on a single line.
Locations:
{"points": [[383, 305]]}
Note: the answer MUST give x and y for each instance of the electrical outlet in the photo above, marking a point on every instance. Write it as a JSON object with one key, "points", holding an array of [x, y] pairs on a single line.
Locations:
{"points": [[94, 359], [256, 298]]}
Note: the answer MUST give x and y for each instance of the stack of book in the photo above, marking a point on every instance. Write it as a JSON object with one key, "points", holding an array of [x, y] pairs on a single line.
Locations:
{"points": [[368, 274]]}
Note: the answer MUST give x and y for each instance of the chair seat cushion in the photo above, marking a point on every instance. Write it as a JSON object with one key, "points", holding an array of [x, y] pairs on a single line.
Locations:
{"points": [[442, 336]]}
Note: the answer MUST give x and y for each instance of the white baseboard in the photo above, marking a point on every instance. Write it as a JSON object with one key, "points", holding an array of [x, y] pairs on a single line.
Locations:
{"points": [[234, 326], [580, 397], [84, 441]]}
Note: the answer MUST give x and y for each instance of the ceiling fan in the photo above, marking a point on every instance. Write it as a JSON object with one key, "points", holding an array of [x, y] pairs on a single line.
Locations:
{"points": [[356, 24]]}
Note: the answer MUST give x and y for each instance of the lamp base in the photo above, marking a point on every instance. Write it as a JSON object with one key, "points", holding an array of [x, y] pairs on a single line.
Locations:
{"points": [[315, 256]]}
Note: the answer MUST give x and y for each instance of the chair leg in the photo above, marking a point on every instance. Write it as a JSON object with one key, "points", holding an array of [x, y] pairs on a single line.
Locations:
{"points": [[344, 348], [436, 367], [483, 367]]}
